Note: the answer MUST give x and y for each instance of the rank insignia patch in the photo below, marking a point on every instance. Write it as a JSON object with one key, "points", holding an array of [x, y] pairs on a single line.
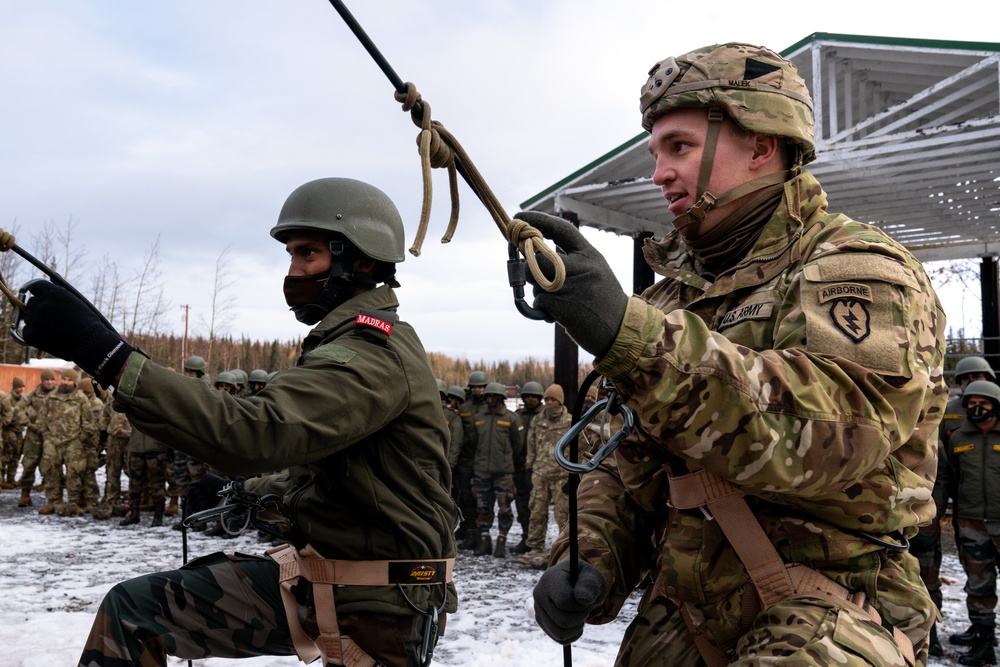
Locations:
{"points": [[851, 317]]}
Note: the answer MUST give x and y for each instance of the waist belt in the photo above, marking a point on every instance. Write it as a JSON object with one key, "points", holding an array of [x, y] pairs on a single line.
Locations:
{"points": [[324, 574], [773, 580]]}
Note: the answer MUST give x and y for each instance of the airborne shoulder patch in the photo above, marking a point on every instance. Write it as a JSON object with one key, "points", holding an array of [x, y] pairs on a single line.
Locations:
{"points": [[851, 317]]}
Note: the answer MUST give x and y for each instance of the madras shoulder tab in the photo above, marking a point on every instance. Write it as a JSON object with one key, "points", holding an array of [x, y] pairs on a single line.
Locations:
{"points": [[375, 323]]}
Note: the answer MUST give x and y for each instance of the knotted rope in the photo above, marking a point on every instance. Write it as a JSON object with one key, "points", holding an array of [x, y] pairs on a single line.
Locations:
{"points": [[439, 149], [6, 243]]}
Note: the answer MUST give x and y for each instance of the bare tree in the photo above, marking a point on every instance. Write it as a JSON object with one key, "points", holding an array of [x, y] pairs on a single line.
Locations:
{"points": [[12, 272], [148, 304], [106, 287], [222, 302], [70, 253]]}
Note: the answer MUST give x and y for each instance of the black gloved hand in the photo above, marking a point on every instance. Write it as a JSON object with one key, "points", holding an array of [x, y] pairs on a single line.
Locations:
{"points": [[591, 304], [561, 608], [59, 323]]}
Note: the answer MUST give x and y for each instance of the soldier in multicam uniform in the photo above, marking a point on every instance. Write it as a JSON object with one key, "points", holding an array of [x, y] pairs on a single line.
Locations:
{"points": [[531, 399], [548, 479], [500, 443], [35, 414], [972, 478], [789, 354], [68, 431], [119, 433], [13, 432], [358, 422], [92, 449]]}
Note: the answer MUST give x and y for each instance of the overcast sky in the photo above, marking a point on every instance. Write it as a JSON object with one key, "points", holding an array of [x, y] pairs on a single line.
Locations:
{"points": [[191, 121]]}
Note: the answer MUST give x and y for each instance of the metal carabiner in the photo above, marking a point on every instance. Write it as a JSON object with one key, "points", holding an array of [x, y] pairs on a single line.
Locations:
{"points": [[16, 316], [517, 277], [612, 405]]}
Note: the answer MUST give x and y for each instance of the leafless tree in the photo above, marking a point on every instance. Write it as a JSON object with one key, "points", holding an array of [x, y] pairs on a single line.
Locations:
{"points": [[106, 287], [149, 304], [13, 271], [70, 252], [222, 302]]}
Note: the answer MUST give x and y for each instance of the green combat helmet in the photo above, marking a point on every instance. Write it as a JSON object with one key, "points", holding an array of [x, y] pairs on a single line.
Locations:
{"points": [[478, 379], [496, 388], [968, 365], [241, 377], [457, 392], [225, 377], [196, 364], [757, 88], [442, 387], [982, 388], [532, 389], [360, 218], [258, 375]]}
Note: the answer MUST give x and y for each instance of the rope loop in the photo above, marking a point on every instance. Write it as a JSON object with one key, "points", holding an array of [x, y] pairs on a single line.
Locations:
{"points": [[6, 243], [438, 149]]}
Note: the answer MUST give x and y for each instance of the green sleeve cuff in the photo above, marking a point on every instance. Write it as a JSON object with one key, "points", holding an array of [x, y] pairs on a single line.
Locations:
{"points": [[636, 333], [130, 376]]}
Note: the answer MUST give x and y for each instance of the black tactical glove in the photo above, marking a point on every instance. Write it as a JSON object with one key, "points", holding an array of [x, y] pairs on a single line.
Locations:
{"points": [[561, 608], [59, 323], [591, 304]]}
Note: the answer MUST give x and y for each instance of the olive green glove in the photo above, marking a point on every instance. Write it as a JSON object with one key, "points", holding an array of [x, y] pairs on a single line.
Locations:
{"points": [[591, 304]]}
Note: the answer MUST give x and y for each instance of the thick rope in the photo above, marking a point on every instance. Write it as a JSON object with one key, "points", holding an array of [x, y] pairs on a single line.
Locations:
{"points": [[439, 148], [6, 243]]}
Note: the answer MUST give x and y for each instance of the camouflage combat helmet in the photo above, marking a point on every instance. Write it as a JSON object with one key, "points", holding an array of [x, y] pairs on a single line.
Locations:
{"points": [[973, 365], [258, 375], [496, 388], [982, 388], [478, 379], [457, 392], [226, 377], [532, 389], [761, 91], [196, 363], [362, 213]]}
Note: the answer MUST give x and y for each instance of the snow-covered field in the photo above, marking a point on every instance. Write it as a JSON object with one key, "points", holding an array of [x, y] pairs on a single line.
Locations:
{"points": [[54, 572]]}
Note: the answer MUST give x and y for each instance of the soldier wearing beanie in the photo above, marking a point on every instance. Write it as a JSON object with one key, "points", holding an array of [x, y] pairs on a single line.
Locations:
{"points": [[36, 416], [12, 424], [787, 372], [69, 429]]}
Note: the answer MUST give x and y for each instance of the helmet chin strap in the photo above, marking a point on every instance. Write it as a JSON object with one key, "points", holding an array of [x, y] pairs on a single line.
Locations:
{"points": [[339, 285], [707, 201]]}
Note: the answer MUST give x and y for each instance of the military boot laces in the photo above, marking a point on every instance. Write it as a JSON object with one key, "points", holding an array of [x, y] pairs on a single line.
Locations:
{"points": [[485, 545], [982, 652], [501, 550]]}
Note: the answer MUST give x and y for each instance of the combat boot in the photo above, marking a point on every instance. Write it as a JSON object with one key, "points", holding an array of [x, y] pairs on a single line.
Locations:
{"points": [[967, 638], [485, 545], [25, 500], [501, 550], [157, 520], [132, 517], [70, 509], [171, 509], [981, 652], [935, 647], [520, 548], [471, 540], [48, 508], [7, 484]]}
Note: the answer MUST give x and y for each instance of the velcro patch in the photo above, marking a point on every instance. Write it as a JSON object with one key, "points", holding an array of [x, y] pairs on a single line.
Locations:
{"points": [[753, 311]]}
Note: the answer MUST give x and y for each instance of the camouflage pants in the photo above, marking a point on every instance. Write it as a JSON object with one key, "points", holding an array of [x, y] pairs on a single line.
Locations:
{"points": [[147, 474], [926, 548], [181, 476], [81, 487], [979, 552], [30, 459], [522, 498], [13, 441], [53, 479], [91, 491], [464, 496], [544, 491], [494, 489], [217, 606], [114, 464]]}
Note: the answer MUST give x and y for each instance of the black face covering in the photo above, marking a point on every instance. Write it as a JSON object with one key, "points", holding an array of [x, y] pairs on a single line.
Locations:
{"points": [[980, 413]]}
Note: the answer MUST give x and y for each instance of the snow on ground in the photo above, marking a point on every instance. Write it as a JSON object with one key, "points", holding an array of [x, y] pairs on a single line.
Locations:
{"points": [[54, 572]]}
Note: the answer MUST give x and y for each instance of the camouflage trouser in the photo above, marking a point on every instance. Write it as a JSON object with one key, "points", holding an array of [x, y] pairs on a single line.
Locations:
{"points": [[81, 487], [979, 552], [522, 498], [226, 606], [114, 463], [53, 479], [464, 496], [802, 630], [495, 488], [13, 441], [146, 474], [926, 548], [182, 478], [30, 459], [546, 490]]}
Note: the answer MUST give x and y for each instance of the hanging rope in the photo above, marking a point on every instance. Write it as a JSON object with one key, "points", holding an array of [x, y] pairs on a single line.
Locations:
{"points": [[439, 149], [6, 243]]}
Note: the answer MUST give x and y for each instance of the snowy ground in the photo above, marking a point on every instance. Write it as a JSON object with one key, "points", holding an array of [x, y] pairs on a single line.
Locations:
{"points": [[54, 572]]}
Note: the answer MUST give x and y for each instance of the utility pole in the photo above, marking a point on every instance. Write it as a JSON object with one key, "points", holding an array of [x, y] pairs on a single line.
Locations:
{"points": [[184, 343]]}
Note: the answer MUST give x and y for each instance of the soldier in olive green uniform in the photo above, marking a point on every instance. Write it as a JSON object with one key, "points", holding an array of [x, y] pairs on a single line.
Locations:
{"points": [[147, 478], [531, 399], [454, 397], [789, 354], [35, 416], [500, 443], [972, 478], [357, 421], [475, 402], [13, 432]]}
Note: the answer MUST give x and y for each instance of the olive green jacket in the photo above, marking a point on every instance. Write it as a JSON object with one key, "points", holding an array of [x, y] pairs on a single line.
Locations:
{"points": [[972, 476], [357, 421], [500, 443]]}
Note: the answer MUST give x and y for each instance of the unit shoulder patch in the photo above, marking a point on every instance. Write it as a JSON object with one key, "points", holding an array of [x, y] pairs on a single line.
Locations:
{"points": [[379, 320]]}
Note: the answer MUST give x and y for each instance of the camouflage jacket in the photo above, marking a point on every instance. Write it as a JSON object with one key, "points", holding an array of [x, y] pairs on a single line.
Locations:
{"points": [[36, 410], [19, 413], [809, 375], [69, 419], [118, 424], [543, 434], [358, 423], [6, 410]]}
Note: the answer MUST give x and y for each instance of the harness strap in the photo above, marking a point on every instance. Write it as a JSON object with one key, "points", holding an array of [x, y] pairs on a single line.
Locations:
{"points": [[324, 574], [724, 502]]}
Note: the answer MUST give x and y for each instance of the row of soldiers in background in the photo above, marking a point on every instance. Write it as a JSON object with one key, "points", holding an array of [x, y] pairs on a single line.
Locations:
{"points": [[502, 459], [968, 477], [63, 430]]}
